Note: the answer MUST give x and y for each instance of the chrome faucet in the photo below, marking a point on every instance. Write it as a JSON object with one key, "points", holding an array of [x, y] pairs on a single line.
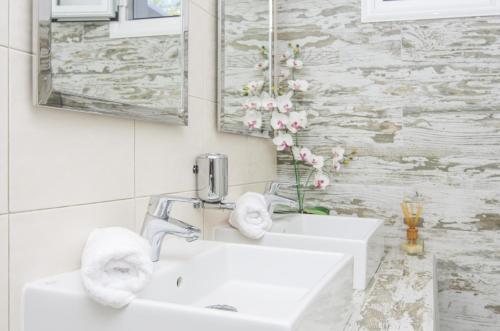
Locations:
{"points": [[273, 199], [159, 223]]}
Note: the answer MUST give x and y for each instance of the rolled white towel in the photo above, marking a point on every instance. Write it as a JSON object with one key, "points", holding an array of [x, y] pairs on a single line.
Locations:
{"points": [[250, 216], [116, 264]]}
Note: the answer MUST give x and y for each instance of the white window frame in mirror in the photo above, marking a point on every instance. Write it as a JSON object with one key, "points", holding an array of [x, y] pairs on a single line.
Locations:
{"points": [[398, 10], [127, 27], [106, 9]]}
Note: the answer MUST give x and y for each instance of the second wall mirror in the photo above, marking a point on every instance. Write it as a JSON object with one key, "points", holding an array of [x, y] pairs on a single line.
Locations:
{"points": [[246, 40]]}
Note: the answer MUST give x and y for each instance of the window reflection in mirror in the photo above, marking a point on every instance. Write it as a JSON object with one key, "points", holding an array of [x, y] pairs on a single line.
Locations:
{"points": [[156, 8]]}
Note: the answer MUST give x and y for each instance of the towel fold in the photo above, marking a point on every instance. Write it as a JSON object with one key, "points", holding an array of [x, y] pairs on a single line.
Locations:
{"points": [[250, 216], [116, 264]]}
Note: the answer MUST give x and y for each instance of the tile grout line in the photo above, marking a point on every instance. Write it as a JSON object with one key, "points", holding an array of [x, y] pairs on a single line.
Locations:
{"points": [[9, 323], [121, 199], [69, 206]]}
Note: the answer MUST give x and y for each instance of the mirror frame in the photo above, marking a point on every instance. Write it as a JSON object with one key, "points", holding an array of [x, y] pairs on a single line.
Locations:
{"points": [[45, 96], [221, 70]]}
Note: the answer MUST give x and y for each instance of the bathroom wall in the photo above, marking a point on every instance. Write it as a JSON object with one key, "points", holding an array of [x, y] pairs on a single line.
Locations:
{"points": [[420, 103], [63, 174]]}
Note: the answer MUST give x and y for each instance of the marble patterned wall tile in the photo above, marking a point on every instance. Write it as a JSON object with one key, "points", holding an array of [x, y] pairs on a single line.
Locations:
{"points": [[420, 102], [144, 72]]}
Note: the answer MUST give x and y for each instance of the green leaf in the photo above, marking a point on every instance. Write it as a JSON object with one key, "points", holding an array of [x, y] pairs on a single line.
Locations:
{"points": [[318, 210]]}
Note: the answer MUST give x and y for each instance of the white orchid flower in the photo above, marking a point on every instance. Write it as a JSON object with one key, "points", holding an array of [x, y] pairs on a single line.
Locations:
{"points": [[295, 64], [284, 74], [279, 121], [254, 87], [298, 85], [338, 153], [336, 165], [285, 56], [262, 65], [305, 155], [252, 104], [318, 162], [267, 102], [283, 141], [284, 103], [253, 119], [321, 181], [297, 121]]}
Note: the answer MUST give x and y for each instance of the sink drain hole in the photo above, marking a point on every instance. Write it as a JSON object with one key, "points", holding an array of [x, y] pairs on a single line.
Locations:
{"points": [[223, 307]]}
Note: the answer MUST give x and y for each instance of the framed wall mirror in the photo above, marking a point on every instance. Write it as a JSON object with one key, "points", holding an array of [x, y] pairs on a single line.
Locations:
{"points": [[119, 58], [245, 58]]}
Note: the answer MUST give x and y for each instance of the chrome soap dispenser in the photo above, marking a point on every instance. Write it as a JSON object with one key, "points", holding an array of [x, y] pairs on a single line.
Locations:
{"points": [[211, 177]]}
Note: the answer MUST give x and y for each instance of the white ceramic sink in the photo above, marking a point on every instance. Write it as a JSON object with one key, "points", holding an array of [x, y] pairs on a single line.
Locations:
{"points": [[361, 237], [273, 289]]}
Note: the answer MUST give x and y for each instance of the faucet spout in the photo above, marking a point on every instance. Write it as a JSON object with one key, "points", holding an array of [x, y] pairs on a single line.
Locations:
{"points": [[275, 200], [159, 223]]}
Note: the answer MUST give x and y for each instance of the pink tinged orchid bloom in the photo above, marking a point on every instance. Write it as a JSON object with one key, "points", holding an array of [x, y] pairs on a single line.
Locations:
{"points": [[283, 141], [279, 121], [321, 181], [254, 87], [297, 121], [294, 63], [298, 85], [253, 119], [262, 65], [318, 161], [284, 74], [336, 165], [285, 56], [284, 103], [305, 155], [338, 153], [251, 104], [267, 102]]}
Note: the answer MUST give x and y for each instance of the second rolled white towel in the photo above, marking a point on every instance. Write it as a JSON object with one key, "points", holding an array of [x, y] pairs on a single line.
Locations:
{"points": [[250, 216], [116, 265]]}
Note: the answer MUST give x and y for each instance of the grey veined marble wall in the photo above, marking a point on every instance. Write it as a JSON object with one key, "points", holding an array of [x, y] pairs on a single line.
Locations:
{"points": [[420, 101]]}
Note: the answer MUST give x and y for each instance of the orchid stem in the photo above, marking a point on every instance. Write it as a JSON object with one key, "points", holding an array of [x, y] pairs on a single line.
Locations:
{"points": [[307, 185], [297, 176]]}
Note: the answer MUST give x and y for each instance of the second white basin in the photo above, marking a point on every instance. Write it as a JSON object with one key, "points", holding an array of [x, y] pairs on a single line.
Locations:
{"points": [[272, 289], [361, 237]]}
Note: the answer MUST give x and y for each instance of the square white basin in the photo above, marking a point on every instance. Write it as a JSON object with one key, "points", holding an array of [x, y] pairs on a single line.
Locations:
{"points": [[361, 237], [272, 289]]}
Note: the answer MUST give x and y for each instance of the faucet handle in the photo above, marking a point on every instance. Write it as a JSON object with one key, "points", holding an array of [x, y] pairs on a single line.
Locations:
{"points": [[160, 207], [274, 187]]}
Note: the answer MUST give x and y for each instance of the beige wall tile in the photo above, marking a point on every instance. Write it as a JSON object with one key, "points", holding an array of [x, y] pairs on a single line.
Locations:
{"points": [[4, 272], [4, 22], [262, 159], [165, 154], [210, 6], [202, 53], [20, 23], [60, 158], [4, 129], [48, 242]]}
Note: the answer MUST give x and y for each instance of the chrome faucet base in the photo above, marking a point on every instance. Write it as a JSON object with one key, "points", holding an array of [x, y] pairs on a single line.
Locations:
{"points": [[158, 222]]}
